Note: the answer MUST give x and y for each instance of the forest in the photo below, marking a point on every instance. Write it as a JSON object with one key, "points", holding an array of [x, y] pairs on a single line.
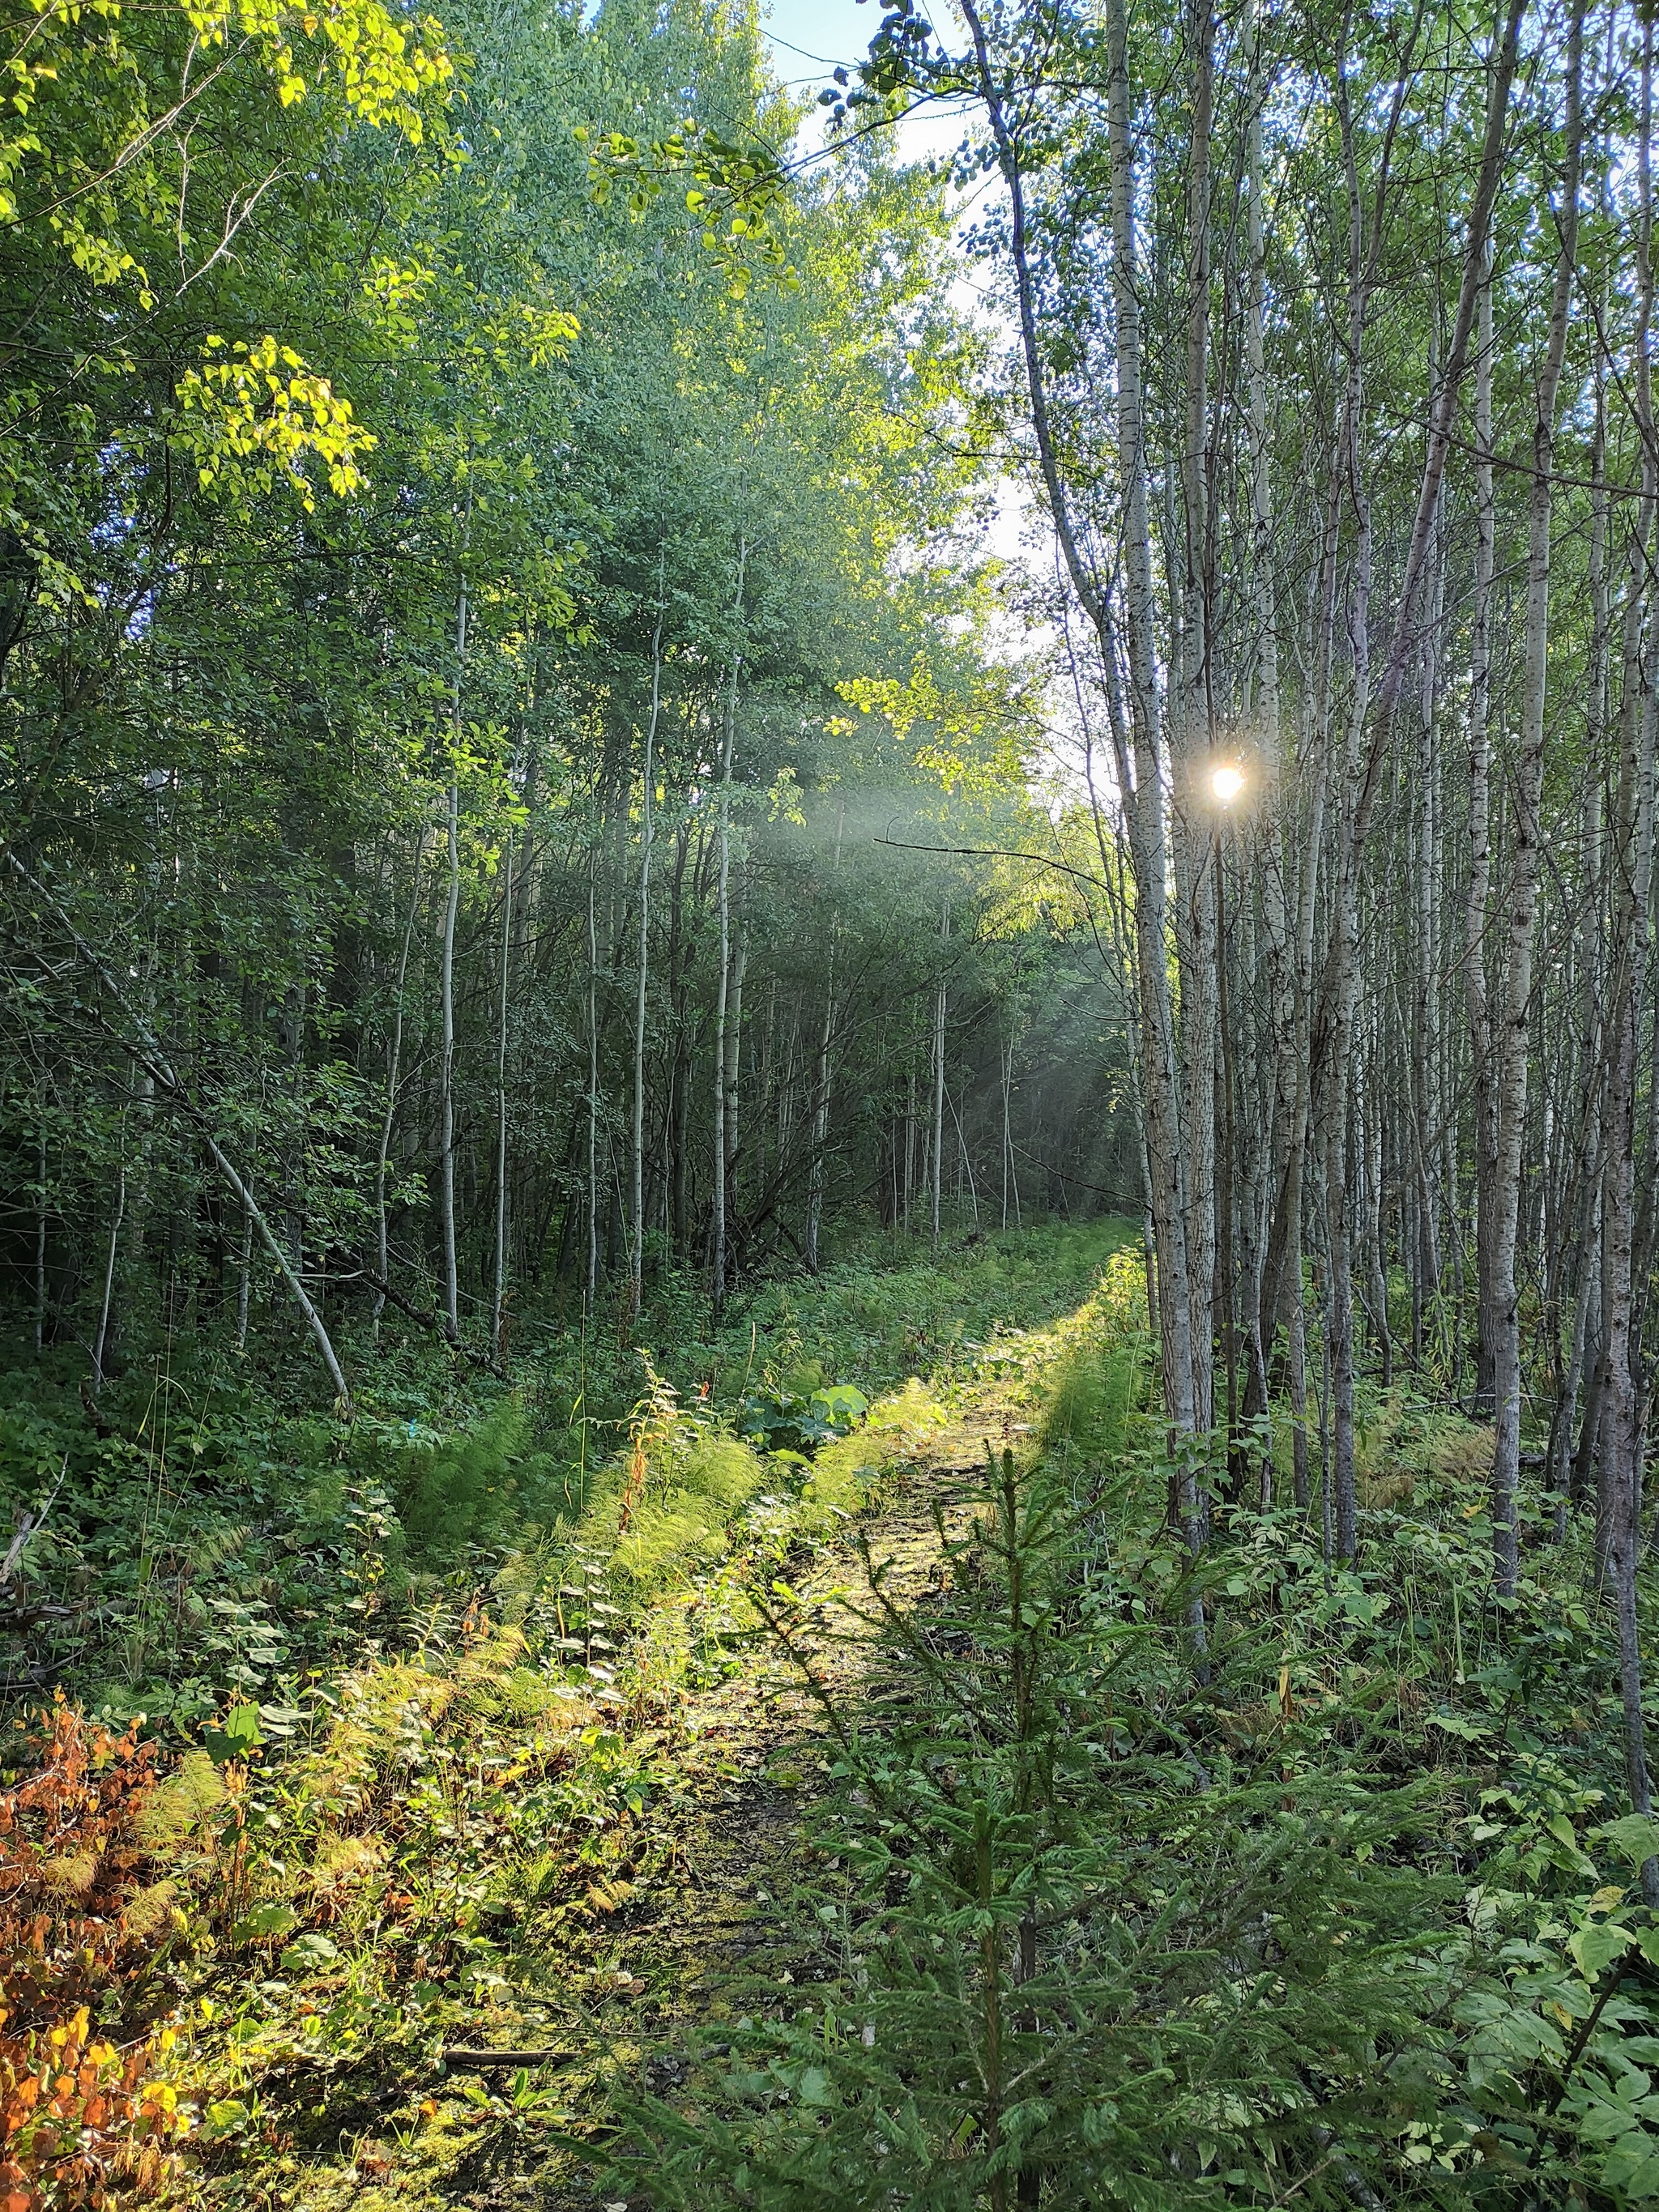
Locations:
{"points": [[828, 1106]]}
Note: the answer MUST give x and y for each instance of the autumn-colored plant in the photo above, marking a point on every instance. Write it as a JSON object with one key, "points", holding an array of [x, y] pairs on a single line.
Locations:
{"points": [[83, 2115], [650, 1427]]}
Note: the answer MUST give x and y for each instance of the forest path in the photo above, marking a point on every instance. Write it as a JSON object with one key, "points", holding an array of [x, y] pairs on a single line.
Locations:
{"points": [[764, 1745]]}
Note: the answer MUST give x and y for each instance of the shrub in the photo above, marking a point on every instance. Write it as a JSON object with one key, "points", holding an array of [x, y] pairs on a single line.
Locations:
{"points": [[85, 2115], [473, 1487]]}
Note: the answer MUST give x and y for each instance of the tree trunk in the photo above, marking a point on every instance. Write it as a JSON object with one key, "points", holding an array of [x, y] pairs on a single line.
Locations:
{"points": [[446, 985], [717, 1234], [393, 1083], [1523, 905], [592, 1285], [821, 1090], [1142, 787], [498, 1300], [647, 829], [1630, 855], [940, 1002]]}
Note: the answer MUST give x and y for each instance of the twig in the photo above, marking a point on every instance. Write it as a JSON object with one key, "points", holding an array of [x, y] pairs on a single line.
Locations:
{"points": [[28, 1527], [460, 2054]]}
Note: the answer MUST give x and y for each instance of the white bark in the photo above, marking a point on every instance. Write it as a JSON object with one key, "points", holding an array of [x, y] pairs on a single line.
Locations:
{"points": [[1523, 903], [393, 1083], [717, 1239], [648, 832], [821, 1087], [446, 991], [498, 1300], [941, 1000]]}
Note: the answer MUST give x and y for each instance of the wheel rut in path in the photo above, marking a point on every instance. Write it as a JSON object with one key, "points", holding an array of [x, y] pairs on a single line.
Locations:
{"points": [[766, 1746]]}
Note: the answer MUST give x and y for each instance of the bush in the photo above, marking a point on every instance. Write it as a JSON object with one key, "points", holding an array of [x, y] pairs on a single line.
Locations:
{"points": [[476, 1485], [1059, 1965], [87, 2116]]}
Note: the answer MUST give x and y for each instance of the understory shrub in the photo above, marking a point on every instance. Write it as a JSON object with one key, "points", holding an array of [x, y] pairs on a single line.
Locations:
{"points": [[90, 2113], [1326, 1909]]}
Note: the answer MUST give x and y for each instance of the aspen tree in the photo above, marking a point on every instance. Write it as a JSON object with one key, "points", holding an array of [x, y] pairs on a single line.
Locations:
{"points": [[723, 984], [648, 832], [1511, 1102]]}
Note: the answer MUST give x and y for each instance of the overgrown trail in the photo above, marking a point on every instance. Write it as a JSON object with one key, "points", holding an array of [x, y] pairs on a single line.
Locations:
{"points": [[765, 1745], [771, 1735]]}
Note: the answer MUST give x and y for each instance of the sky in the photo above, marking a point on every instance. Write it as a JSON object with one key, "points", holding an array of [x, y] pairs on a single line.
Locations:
{"points": [[810, 36], [827, 30]]}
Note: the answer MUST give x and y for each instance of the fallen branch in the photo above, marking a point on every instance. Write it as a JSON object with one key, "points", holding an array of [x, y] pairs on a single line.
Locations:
{"points": [[425, 1318], [460, 2054]]}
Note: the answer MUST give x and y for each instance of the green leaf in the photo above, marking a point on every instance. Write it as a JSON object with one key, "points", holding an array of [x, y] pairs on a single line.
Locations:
{"points": [[264, 1921], [237, 1738], [1635, 1838], [1457, 1725], [1633, 2165], [1597, 1945], [814, 2087], [310, 1955]]}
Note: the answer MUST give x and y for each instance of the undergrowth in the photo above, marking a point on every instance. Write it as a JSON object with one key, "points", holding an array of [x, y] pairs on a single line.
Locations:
{"points": [[388, 1736], [1340, 1908]]}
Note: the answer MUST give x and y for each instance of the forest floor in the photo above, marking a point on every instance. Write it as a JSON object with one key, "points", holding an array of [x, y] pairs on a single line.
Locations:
{"points": [[587, 1893], [673, 1856], [758, 1750]]}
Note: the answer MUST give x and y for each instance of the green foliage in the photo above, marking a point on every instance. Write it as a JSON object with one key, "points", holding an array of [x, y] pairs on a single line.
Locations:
{"points": [[884, 1316], [1358, 1908], [800, 1420], [1345, 1914], [475, 1486]]}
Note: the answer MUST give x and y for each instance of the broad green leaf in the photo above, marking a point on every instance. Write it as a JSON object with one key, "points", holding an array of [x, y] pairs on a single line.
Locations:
{"points": [[1635, 1838], [264, 1921], [1597, 1945]]}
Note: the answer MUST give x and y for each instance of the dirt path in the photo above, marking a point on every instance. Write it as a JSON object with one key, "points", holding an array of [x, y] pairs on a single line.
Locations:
{"points": [[766, 1744], [772, 1731]]}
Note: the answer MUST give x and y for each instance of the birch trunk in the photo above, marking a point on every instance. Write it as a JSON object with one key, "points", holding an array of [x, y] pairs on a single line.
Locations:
{"points": [[592, 1093], [1275, 841], [446, 987], [1523, 905], [735, 1054], [821, 1087], [1343, 961], [940, 1003], [498, 1299], [647, 829], [1197, 855], [393, 1083], [717, 1235], [1630, 853], [1478, 904], [1142, 786]]}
